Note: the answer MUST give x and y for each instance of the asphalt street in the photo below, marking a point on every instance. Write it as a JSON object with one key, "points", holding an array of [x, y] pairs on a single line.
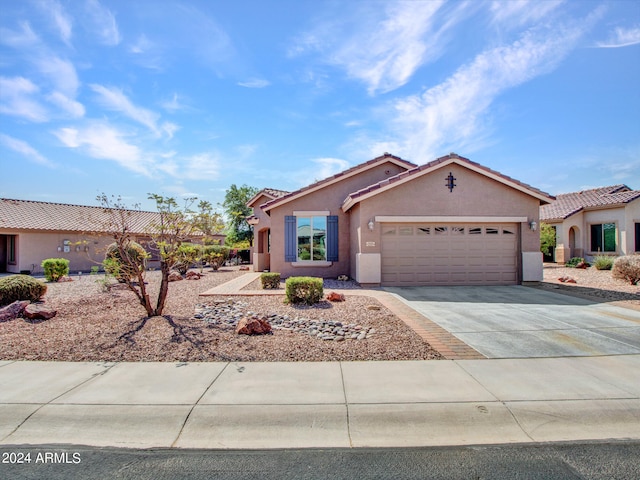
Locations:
{"points": [[593, 461]]}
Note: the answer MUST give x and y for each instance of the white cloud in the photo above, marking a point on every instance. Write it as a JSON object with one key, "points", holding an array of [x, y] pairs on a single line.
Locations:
{"points": [[61, 73], [62, 21], [327, 167], [20, 39], [102, 23], [202, 166], [515, 13], [255, 83], [453, 114], [622, 37], [174, 104], [102, 141], [113, 99], [16, 98], [384, 47], [72, 107], [25, 150], [142, 45]]}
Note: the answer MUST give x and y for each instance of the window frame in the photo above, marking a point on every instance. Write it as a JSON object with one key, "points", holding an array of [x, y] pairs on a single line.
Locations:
{"points": [[599, 247]]}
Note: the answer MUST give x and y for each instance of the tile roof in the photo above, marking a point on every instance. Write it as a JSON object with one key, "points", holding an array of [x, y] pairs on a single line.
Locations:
{"points": [[567, 204], [32, 215], [452, 157], [273, 193], [344, 174]]}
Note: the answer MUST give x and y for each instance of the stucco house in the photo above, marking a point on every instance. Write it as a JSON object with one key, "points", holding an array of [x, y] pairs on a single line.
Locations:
{"points": [[32, 231], [391, 222], [599, 221]]}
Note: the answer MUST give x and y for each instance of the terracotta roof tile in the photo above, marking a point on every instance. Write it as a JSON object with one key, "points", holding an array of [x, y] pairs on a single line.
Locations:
{"points": [[32, 215], [567, 204]]}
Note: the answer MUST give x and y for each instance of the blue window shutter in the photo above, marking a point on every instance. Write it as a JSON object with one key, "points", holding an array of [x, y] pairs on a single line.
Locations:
{"points": [[332, 238], [290, 239]]}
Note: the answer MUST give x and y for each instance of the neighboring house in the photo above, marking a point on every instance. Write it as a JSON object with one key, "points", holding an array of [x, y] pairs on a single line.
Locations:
{"points": [[33, 231], [390, 222], [600, 221]]}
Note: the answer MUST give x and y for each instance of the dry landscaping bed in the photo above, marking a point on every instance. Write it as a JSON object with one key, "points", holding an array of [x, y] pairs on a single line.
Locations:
{"points": [[95, 325], [591, 283]]}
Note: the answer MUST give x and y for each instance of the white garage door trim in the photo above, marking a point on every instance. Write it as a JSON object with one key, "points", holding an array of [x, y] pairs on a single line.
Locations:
{"points": [[447, 219], [449, 253]]}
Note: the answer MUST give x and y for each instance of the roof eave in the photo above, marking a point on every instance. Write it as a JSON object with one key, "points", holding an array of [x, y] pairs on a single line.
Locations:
{"points": [[336, 178]]}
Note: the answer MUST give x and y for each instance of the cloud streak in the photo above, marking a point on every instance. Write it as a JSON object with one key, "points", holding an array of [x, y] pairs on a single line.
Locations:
{"points": [[113, 99], [26, 150], [622, 37], [453, 113]]}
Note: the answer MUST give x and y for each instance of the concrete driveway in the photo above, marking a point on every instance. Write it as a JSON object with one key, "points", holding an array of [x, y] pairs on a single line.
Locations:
{"points": [[525, 322]]}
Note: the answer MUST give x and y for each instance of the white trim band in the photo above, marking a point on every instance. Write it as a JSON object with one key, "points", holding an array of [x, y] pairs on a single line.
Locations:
{"points": [[446, 219]]}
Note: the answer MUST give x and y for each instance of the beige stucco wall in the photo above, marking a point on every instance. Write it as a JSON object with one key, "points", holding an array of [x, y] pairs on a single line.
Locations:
{"points": [[475, 195], [33, 247], [329, 199], [624, 217]]}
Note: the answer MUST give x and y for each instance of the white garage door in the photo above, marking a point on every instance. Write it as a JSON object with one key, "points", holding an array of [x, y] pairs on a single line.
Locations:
{"points": [[449, 254]]}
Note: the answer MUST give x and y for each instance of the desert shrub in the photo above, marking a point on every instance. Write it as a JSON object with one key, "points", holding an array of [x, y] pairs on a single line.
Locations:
{"points": [[627, 268], [55, 268], [603, 262], [573, 262], [216, 255], [307, 290], [270, 280], [20, 287], [134, 262], [187, 255]]}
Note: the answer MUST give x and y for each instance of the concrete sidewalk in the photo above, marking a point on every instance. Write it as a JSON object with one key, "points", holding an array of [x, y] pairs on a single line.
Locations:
{"points": [[333, 404]]}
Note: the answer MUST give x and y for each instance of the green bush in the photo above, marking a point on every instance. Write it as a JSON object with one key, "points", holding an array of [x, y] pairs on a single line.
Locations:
{"points": [[20, 287], [55, 268], [603, 262], [270, 280], [573, 262], [188, 254], [216, 255], [627, 268], [124, 271], [307, 290]]}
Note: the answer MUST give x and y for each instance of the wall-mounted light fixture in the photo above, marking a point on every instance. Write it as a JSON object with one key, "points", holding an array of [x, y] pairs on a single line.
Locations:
{"points": [[533, 225], [371, 224]]}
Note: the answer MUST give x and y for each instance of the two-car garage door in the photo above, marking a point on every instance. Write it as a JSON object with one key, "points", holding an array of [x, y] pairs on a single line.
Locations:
{"points": [[449, 254]]}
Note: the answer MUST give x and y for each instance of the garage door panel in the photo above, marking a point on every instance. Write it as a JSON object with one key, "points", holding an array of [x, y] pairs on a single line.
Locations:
{"points": [[451, 254]]}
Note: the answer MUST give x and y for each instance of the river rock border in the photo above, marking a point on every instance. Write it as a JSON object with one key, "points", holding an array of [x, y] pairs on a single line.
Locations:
{"points": [[227, 314]]}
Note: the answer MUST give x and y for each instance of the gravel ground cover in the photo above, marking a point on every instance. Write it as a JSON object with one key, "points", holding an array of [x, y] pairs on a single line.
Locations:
{"points": [[591, 283], [97, 325]]}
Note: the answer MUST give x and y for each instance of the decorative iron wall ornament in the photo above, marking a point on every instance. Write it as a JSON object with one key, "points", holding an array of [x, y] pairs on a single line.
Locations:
{"points": [[450, 182]]}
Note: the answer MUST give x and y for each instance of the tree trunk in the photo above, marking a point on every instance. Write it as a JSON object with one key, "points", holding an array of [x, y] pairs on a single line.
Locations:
{"points": [[164, 288]]}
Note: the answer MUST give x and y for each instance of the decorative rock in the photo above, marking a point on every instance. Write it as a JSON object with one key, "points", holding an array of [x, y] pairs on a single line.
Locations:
{"points": [[244, 269], [227, 313], [34, 311], [567, 280], [13, 310], [374, 307], [253, 326], [191, 275], [335, 297], [66, 278], [581, 265], [175, 276], [343, 278]]}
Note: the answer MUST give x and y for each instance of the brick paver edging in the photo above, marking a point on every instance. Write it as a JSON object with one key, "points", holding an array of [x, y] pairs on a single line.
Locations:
{"points": [[449, 346]]}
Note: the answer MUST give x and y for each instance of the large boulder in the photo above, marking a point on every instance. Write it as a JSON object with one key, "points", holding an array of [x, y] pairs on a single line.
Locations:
{"points": [[35, 311], [13, 310], [335, 297], [253, 326]]}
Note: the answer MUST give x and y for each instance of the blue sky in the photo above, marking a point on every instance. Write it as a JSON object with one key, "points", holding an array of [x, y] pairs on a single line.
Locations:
{"points": [[188, 97]]}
